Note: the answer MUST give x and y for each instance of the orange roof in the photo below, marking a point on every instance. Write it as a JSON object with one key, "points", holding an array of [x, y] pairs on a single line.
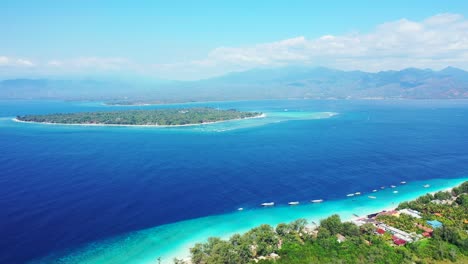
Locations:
{"points": [[437, 214]]}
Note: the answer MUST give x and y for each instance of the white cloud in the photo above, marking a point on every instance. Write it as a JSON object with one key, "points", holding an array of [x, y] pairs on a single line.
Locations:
{"points": [[436, 42], [15, 62]]}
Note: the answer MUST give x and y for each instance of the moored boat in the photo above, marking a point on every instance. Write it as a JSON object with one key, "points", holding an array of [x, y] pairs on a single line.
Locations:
{"points": [[374, 190], [350, 195], [357, 193], [268, 204], [372, 197], [317, 201], [293, 203], [240, 209], [403, 182], [426, 186], [395, 191], [392, 186]]}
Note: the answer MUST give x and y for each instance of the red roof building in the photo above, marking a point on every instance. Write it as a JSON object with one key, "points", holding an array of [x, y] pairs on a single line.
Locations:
{"points": [[425, 229], [380, 231], [398, 241], [427, 234]]}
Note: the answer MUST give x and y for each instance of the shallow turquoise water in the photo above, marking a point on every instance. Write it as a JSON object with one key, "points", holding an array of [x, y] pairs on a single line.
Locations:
{"points": [[174, 240]]}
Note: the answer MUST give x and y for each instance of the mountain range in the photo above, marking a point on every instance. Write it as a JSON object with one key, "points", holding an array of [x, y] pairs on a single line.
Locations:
{"points": [[278, 83]]}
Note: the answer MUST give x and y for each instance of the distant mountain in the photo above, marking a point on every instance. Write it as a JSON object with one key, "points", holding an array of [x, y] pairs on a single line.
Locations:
{"points": [[289, 82], [70, 89]]}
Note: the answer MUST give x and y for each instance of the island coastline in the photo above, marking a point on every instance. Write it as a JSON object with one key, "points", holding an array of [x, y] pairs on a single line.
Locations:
{"points": [[15, 119]]}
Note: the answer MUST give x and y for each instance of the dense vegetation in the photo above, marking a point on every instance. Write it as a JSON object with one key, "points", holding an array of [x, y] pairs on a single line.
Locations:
{"points": [[163, 117], [297, 243]]}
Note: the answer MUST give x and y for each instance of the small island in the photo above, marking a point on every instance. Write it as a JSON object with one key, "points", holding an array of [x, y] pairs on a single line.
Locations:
{"points": [[152, 117]]}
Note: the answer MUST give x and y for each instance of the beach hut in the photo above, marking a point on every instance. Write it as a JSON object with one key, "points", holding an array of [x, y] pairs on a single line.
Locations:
{"points": [[434, 223]]}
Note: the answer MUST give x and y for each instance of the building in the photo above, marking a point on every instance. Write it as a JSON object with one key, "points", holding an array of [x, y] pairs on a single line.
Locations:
{"points": [[340, 238], [434, 223], [427, 234], [391, 212], [411, 212], [398, 241], [372, 215], [397, 232], [442, 202], [425, 229], [380, 231]]}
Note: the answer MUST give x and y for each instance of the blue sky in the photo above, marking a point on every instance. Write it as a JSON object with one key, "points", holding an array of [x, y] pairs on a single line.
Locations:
{"points": [[189, 39]]}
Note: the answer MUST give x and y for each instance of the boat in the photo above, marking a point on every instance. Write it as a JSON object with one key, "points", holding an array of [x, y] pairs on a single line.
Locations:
{"points": [[374, 190], [317, 201], [395, 191], [350, 195], [426, 186], [392, 186], [357, 193], [372, 197], [383, 187], [240, 209], [403, 182], [268, 204], [293, 203], [356, 215]]}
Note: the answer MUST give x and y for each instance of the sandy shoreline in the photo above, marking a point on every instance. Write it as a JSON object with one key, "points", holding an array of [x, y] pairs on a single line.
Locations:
{"points": [[121, 125], [314, 223]]}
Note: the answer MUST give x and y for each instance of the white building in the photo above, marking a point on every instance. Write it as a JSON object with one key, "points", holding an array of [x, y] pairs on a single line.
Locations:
{"points": [[411, 212]]}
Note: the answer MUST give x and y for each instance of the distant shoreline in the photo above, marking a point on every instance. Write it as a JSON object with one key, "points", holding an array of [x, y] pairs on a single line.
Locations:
{"points": [[123, 125]]}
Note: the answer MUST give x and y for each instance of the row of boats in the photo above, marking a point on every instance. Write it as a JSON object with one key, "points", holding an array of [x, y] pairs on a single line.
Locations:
{"points": [[269, 204], [290, 203], [375, 190]]}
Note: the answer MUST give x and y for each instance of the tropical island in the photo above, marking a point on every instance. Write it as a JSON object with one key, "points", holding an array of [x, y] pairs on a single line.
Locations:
{"points": [[431, 229], [152, 117]]}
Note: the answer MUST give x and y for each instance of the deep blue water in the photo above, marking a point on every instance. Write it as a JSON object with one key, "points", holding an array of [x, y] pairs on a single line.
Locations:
{"points": [[62, 187]]}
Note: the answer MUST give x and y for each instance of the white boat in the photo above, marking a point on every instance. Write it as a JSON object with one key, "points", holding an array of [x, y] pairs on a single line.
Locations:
{"points": [[383, 187], [293, 203], [357, 193], [403, 182], [240, 209], [351, 194], [392, 186], [268, 204], [426, 186], [374, 190], [372, 197], [395, 191], [317, 201]]}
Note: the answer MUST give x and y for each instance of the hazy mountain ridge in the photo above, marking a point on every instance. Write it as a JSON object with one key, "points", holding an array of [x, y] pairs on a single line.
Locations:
{"points": [[289, 82]]}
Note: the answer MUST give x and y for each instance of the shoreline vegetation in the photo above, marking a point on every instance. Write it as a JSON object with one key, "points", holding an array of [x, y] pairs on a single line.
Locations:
{"points": [[143, 118], [430, 229]]}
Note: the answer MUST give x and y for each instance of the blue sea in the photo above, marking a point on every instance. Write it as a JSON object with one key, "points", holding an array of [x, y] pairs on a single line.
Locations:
{"points": [[81, 194]]}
